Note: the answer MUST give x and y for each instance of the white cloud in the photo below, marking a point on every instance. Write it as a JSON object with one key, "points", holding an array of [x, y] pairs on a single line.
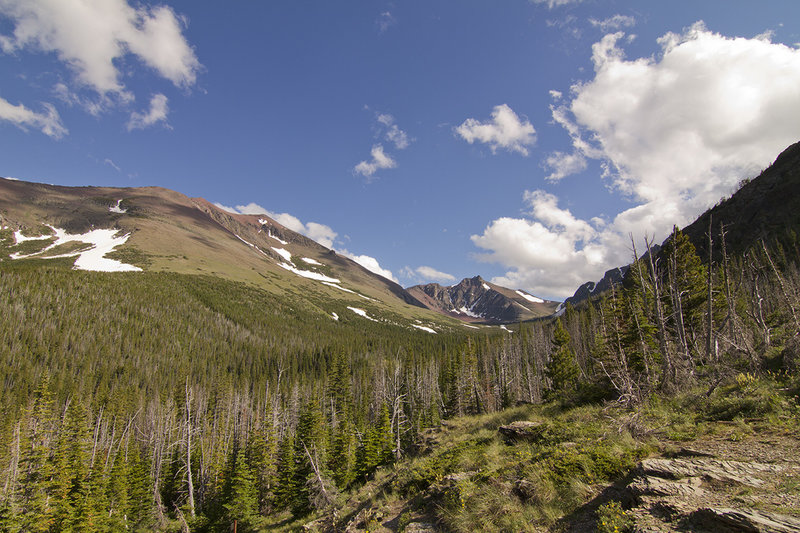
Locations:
{"points": [[111, 163], [564, 164], [617, 22], [504, 130], [48, 121], [551, 4], [379, 161], [157, 113], [94, 36], [550, 253], [393, 133], [674, 133], [370, 263], [427, 273]]}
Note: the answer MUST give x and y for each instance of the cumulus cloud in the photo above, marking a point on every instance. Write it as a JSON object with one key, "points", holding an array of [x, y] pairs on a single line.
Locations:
{"points": [[504, 130], [551, 4], [674, 133], [380, 161], [157, 113], [617, 22], [48, 121], [370, 263], [564, 165], [315, 231], [426, 273], [93, 38], [393, 133]]}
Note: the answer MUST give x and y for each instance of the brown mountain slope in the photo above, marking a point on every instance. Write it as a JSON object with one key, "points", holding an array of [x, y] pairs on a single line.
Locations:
{"points": [[172, 232]]}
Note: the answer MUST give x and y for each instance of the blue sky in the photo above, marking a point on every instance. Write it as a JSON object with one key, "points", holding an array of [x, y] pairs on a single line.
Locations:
{"points": [[431, 140]]}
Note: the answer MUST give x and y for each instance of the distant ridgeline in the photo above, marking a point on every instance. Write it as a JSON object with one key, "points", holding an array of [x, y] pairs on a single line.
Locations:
{"points": [[162, 399]]}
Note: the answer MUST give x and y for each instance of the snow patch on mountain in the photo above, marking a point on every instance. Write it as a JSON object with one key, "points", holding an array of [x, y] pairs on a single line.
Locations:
{"points": [[117, 208], [335, 286], [530, 298], [283, 253], [308, 274], [19, 237], [424, 328], [103, 241], [488, 288], [312, 261], [361, 313]]}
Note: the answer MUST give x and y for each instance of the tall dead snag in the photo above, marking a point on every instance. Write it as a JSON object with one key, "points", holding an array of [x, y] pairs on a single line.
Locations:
{"points": [[728, 297], [710, 288], [667, 366], [189, 482]]}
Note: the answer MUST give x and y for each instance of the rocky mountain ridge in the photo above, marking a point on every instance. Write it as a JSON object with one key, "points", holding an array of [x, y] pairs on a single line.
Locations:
{"points": [[476, 300]]}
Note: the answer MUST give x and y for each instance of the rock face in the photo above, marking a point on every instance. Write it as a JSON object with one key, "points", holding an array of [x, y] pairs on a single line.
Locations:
{"points": [[611, 278], [691, 494], [476, 300]]}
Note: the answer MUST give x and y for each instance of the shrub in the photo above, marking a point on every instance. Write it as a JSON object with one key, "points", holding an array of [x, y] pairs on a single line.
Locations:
{"points": [[612, 518]]}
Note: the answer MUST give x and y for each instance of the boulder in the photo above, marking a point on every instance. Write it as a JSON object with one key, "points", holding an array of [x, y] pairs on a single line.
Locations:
{"points": [[523, 430]]}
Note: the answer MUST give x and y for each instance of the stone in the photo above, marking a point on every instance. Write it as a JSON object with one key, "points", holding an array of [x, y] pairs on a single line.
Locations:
{"points": [[745, 520], [523, 430]]}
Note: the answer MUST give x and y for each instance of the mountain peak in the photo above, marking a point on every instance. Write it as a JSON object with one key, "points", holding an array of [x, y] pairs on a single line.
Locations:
{"points": [[475, 300]]}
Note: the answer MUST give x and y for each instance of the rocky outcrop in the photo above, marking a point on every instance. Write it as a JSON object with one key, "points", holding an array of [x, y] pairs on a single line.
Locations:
{"points": [[693, 494]]}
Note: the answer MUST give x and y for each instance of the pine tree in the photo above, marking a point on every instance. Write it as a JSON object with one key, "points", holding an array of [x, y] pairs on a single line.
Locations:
{"points": [[261, 460], [562, 368], [309, 435], [285, 487], [241, 503]]}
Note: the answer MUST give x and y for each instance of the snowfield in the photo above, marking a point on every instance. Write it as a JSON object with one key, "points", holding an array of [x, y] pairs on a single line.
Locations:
{"points": [[103, 241], [117, 208], [424, 328], [312, 261], [308, 274], [361, 312], [283, 253], [530, 298]]}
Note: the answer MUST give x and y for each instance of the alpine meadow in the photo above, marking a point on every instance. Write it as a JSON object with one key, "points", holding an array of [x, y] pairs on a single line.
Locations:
{"points": [[627, 360]]}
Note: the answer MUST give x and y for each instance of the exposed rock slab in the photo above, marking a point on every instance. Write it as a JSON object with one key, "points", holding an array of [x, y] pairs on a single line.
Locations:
{"points": [[725, 519]]}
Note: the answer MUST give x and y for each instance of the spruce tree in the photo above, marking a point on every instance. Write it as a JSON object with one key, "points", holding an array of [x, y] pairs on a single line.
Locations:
{"points": [[241, 503], [562, 368]]}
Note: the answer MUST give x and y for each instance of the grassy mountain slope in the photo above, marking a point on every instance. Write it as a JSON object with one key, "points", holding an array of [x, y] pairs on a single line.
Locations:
{"points": [[170, 232]]}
